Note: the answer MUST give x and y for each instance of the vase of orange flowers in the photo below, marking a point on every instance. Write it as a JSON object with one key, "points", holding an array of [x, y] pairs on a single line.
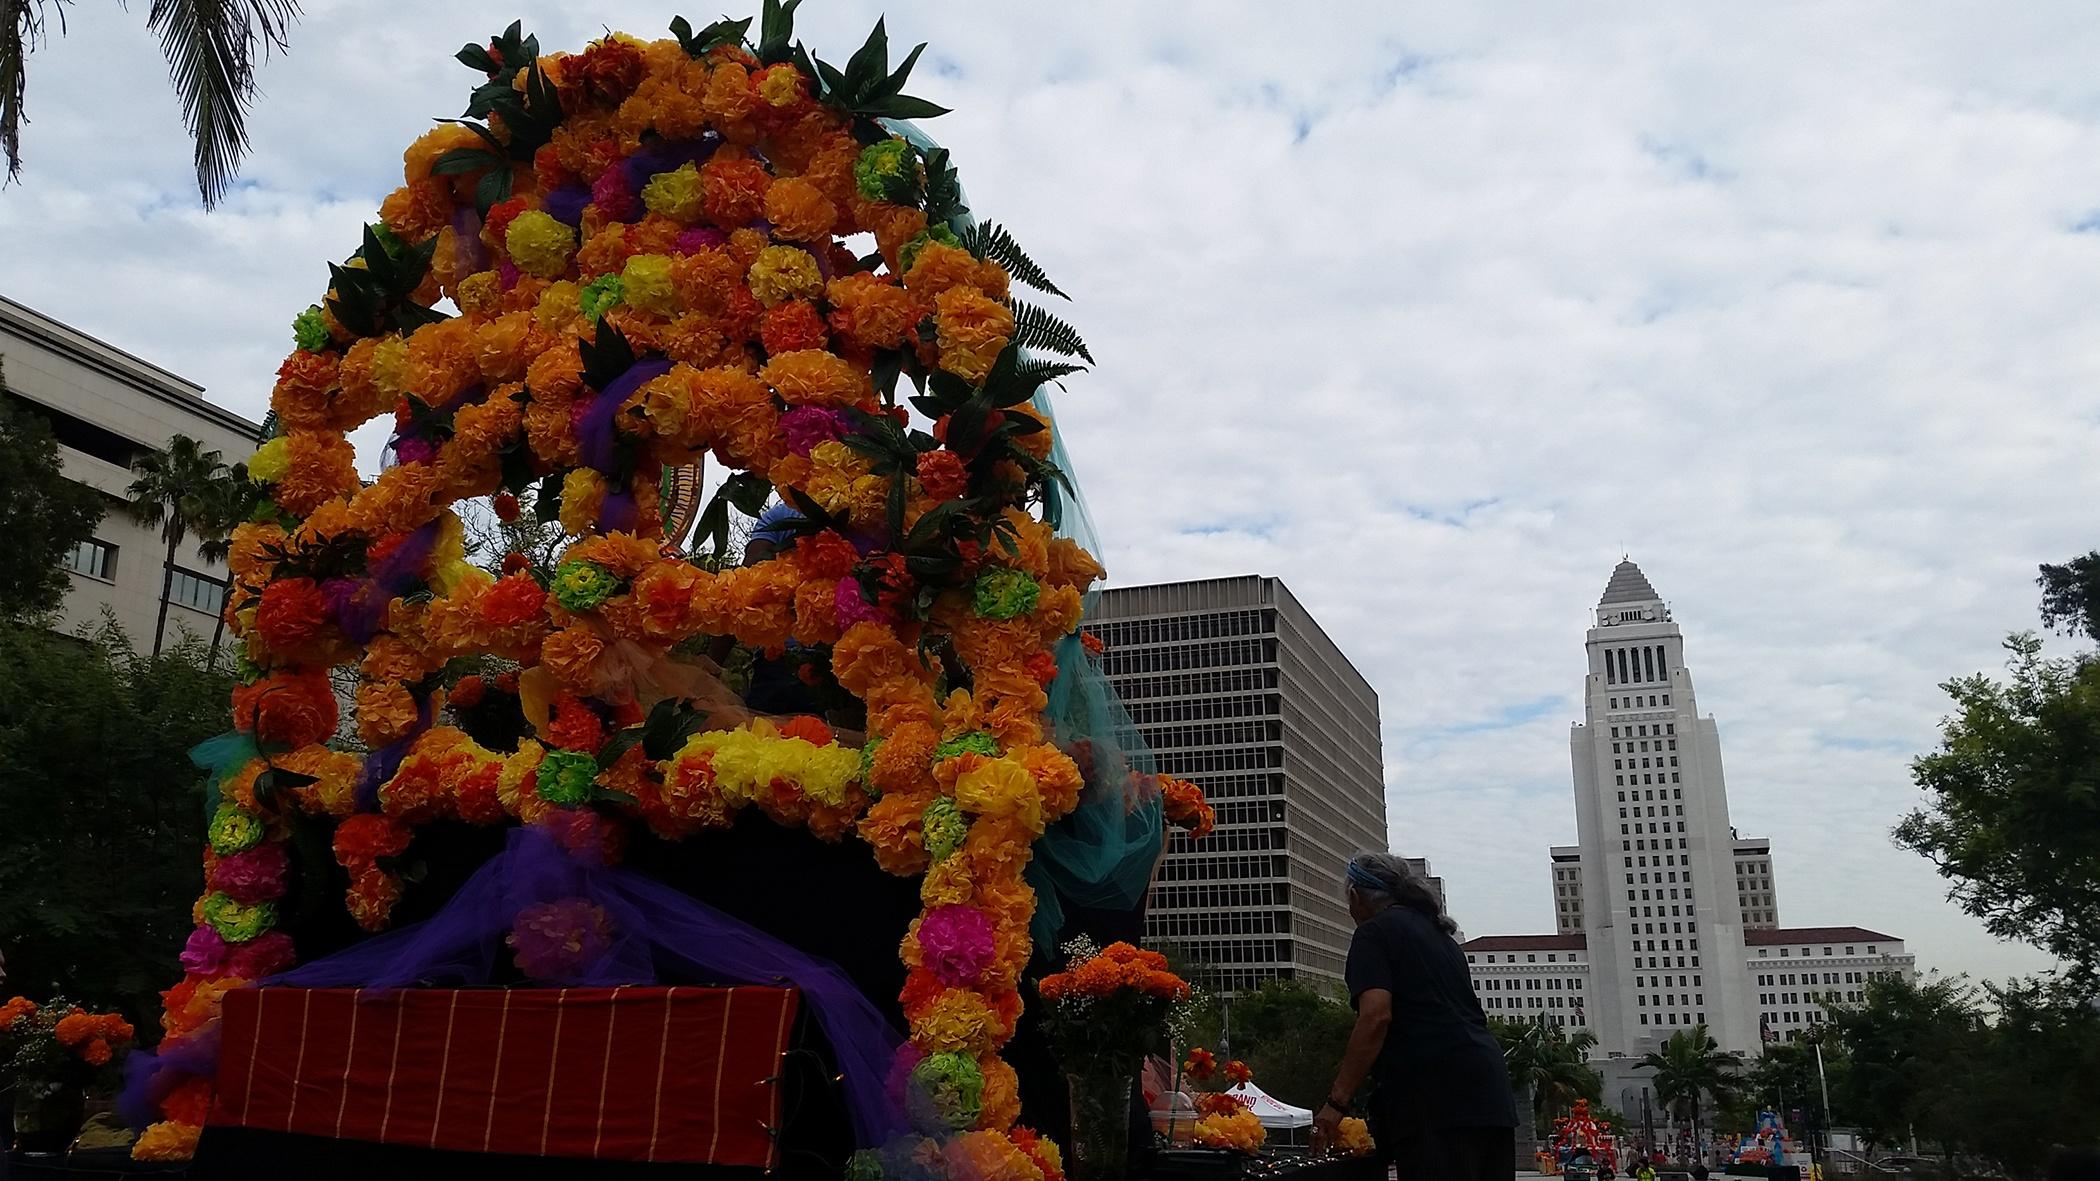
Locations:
{"points": [[1101, 1015], [50, 1055]]}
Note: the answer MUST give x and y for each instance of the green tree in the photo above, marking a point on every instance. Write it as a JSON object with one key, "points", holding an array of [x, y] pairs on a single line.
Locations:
{"points": [[2014, 813], [1784, 1079], [1291, 1035], [98, 852], [1906, 1041], [177, 490], [1690, 1068], [48, 515], [211, 47], [229, 499], [1548, 1068], [2071, 596]]}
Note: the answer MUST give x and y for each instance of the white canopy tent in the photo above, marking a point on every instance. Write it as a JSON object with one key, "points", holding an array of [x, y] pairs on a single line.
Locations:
{"points": [[1273, 1112]]}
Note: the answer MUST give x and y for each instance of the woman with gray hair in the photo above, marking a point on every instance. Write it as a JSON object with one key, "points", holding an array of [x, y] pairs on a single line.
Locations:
{"points": [[1441, 1106]]}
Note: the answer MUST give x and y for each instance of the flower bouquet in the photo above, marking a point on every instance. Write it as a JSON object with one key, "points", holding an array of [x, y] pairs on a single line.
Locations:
{"points": [[1101, 1015], [49, 1056]]}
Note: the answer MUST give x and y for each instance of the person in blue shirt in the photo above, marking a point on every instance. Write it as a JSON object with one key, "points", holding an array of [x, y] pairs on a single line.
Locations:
{"points": [[1441, 1105]]}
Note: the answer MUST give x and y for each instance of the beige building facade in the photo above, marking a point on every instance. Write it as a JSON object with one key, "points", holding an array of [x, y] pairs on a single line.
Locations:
{"points": [[107, 408], [1237, 688]]}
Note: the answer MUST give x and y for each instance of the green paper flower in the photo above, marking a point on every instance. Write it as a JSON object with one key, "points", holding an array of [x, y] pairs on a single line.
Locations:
{"points": [[867, 767], [933, 233], [952, 1085], [581, 585], [601, 295], [233, 830], [942, 826], [238, 922], [864, 1165], [883, 169], [976, 742], [566, 777], [1004, 593], [310, 329]]}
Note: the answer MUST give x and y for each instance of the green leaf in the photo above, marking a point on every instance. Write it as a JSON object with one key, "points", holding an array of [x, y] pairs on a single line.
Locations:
{"points": [[888, 87], [1036, 328], [463, 160], [748, 492], [944, 198], [722, 32], [884, 369], [546, 507], [776, 30], [905, 106], [476, 57], [869, 63], [493, 189], [990, 240], [1037, 370]]}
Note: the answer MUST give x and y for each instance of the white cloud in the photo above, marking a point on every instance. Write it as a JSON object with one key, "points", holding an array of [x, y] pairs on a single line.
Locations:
{"points": [[1441, 305]]}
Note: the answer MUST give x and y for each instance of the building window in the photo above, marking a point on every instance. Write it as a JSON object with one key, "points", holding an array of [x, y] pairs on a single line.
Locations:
{"points": [[96, 559], [197, 591]]}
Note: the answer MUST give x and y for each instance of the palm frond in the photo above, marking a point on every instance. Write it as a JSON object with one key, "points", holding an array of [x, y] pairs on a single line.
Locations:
{"points": [[21, 31], [1037, 329], [990, 240], [210, 46]]}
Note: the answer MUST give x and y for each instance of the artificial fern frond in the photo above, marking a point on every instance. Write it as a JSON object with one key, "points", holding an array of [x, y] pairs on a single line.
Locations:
{"points": [[990, 240], [1037, 370], [1037, 329]]}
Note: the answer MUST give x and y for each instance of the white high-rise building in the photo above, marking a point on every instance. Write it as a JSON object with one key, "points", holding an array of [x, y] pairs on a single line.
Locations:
{"points": [[1665, 916], [1659, 900]]}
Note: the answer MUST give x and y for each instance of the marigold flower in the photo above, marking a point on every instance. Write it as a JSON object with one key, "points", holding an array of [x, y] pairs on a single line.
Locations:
{"points": [[799, 210], [734, 190], [972, 331]]}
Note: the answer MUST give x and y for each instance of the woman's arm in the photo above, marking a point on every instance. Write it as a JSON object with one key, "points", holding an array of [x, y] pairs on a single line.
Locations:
{"points": [[1374, 1015]]}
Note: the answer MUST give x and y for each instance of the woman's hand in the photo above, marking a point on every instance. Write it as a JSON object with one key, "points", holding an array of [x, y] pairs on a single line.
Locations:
{"points": [[1326, 1123]]}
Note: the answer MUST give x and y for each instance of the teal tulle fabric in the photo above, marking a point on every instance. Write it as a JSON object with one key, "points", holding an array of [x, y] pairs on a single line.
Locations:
{"points": [[1101, 855], [221, 759]]}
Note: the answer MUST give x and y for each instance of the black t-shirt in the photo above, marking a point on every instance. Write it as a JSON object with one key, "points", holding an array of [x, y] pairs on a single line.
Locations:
{"points": [[1440, 1067]]}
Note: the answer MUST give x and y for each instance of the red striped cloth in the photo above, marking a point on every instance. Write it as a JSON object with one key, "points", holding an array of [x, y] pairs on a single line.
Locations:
{"points": [[653, 1074]]}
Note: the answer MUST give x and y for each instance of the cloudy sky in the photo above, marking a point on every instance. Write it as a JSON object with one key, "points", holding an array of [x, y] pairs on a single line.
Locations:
{"points": [[1430, 311]]}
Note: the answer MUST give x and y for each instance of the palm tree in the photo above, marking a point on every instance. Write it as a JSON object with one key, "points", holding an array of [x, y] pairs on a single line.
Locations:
{"points": [[1549, 1067], [211, 50], [175, 492], [230, 498], [1688, 1066]]}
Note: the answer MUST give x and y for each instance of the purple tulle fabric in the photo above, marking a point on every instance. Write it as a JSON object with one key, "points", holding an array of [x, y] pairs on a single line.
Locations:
{"points": [[597, 440], [566, 204], [658, 935], [150, 1076]]}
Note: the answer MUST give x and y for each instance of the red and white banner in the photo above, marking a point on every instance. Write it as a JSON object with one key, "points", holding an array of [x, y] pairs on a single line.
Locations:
{"points": [[647, 1074]]}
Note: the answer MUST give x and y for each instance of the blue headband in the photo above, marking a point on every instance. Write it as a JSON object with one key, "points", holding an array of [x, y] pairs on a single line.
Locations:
{"points": [[1364, 879]]}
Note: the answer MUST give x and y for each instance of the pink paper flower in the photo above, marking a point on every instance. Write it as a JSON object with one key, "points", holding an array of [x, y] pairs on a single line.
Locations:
{"points": [[806, 426], [851, 606], [205, 953], [252, 875], [957, 944], [264, 955], [700, 238]]}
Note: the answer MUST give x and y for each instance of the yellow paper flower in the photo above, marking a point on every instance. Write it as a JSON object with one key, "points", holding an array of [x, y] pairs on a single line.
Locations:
{"points": [[645, 283], [539, 244], [675, 194], [782, 273]]}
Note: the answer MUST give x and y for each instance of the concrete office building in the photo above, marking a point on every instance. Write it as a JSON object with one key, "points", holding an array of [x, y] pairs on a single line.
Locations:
{"points": [[1237, 689], [107, 408], [1666, 917]]}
